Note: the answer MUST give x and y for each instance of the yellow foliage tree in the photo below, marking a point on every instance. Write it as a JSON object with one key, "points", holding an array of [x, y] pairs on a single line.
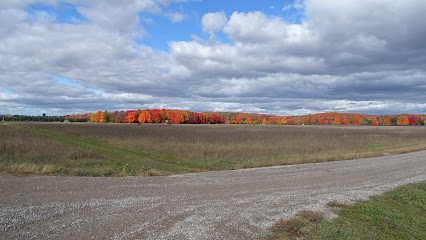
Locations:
{"points": [[93, 118], [337, 121]]}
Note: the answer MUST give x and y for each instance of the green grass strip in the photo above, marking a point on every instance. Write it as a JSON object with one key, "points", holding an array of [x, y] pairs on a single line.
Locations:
{"points": [[398, 214], [165, 164]]}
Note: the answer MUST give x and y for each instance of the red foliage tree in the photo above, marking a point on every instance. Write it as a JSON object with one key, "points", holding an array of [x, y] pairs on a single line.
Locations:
{"points": [[156, 116], [355, 121], [177, 117], [270, 121], [216, 119], [413, 119]]}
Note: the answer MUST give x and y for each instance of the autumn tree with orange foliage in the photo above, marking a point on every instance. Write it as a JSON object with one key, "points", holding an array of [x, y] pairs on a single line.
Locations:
{"points": [[386, 121], [145, 117], [336, 121], [236, 120], [375, 122], [98, 116], [130, 117], [404, 121], [248, 120], [346, 121]]}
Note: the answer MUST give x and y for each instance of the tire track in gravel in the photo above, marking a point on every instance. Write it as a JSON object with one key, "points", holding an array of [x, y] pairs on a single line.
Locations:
{"points": [[238, 204]]}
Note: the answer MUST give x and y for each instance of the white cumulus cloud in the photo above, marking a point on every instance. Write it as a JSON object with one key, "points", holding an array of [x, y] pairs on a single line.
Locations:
{"points": [[213, 22]]}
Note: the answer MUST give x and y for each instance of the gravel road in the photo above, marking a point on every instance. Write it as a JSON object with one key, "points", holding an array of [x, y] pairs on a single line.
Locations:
{"points": [[239, 204]]}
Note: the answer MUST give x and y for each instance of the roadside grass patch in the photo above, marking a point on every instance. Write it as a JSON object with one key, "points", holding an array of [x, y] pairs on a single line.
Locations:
{"points": [[398, 214], [334, 204], [295, 227]]}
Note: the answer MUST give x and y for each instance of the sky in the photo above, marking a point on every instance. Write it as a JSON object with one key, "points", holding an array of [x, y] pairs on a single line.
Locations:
{"points": [[283, 57]]}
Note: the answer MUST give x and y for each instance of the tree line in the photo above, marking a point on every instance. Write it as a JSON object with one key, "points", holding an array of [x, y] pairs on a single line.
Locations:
{"points": [[149, 116], [29, 118], [188, 117]]}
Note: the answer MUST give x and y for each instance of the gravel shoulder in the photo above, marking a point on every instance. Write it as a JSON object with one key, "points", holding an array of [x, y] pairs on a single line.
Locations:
{"points": [[240, 204]]}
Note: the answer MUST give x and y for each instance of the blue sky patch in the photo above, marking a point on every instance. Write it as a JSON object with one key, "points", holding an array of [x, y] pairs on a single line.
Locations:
{"points": [[66, 81], [5, 91], [160, 30], [62, 12], [96, 90]]}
